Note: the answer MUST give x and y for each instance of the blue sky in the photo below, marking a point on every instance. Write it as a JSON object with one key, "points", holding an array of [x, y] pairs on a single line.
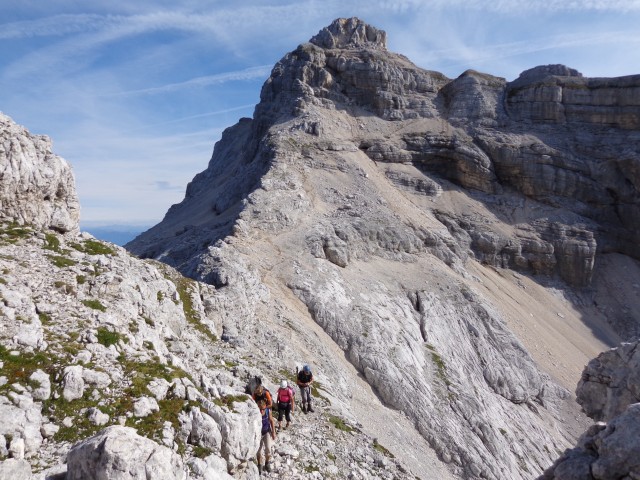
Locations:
{"points": [[134, 94]]}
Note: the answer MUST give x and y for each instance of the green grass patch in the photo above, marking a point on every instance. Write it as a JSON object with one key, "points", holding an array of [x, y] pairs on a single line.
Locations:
{"points": [[382, 449], [201, 452], [316, 386], [61, 262], [185, 286], [3, 281], [94, 304], [81, 279], [13, 232], [52, 242], [45, 318], [228, 400], [441, 368], [18, 368], [82, 428], [107, 338], [94, 247], [340, 424]]}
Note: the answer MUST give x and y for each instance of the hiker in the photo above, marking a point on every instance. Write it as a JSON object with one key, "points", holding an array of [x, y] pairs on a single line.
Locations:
{"points": [[261, 393], [286, 403], [268, 435], [305, 378]]}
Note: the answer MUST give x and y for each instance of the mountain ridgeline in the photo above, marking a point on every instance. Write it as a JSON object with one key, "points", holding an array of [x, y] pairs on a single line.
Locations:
{"points": [[366, 190], [446, 254]]}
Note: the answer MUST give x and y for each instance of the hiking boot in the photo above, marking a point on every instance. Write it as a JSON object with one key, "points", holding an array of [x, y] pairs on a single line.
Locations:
{"points": [[304, 409], [259, 469], [309, 409], [286, 426], [267, 467]]}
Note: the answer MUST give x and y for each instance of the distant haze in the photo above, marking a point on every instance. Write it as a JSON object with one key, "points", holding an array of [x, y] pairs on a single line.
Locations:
{"points": [[118, 234]]}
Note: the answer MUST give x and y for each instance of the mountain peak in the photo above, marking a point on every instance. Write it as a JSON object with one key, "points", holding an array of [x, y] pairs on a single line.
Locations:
{"points": [[350, 32]]}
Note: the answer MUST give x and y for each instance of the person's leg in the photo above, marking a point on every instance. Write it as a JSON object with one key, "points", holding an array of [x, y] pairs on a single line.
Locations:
{"points": [[259, 455], [267, 452], [287, 413], [303, 393], [309, 409], [281, 411]]}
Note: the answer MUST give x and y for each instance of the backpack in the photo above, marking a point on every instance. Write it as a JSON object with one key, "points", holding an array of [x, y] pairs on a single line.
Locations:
{"points": [[266, 396], [266, 424], [284, 395]]}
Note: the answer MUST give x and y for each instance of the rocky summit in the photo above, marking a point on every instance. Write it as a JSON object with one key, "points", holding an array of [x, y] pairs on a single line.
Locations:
{"points": [[451, 257]]}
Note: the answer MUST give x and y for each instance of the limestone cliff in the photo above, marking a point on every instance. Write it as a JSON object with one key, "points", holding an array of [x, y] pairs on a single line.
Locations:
{"points": [[37, 187], [361, 193]]}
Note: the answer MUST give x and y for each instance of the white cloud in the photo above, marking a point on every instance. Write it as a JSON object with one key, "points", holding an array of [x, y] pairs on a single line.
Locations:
{"points": [[246, 74]]}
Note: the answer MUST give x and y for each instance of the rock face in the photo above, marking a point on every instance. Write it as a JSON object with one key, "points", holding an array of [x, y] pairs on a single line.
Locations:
{"points": [[37, 187], [362, 189], [608, 391]]}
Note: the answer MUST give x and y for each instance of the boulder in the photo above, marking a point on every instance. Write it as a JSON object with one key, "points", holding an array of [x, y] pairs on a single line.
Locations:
{"points": [[73, 383], [610, 382], [13, 469], [119, 453], [43, 390], [240, 431]]}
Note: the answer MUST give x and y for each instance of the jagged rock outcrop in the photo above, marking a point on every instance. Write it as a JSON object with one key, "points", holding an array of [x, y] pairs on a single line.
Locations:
{"points": [[609, 390], [610, 382], [37, 187]]}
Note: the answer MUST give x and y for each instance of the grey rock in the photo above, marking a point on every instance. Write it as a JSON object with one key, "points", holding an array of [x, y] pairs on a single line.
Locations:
{"points": [[97, 417], [205, 432], [604, 452], [16, 422], [610, 382], [73, 383], [159, 388], [119, 453], [145, 406], [48, 430], [38, 187], [17, 448], [43, 390], [15, 469], [97, 379]]}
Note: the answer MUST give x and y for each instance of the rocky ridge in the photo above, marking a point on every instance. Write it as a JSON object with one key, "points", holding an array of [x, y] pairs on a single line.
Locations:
{"points": [[108, 362], [364, 187]]}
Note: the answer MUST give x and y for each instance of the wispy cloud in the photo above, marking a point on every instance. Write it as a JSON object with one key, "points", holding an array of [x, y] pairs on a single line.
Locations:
{"points": [[247, 74], [513, 6]]}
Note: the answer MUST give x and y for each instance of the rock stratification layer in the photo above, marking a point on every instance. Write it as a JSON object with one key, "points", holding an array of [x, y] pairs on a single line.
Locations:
{"points": [[361, 193]]}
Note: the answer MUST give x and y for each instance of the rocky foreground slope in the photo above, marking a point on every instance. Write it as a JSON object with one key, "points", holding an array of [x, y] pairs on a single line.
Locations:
{"points": [[113, 367], [439, 251]]}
